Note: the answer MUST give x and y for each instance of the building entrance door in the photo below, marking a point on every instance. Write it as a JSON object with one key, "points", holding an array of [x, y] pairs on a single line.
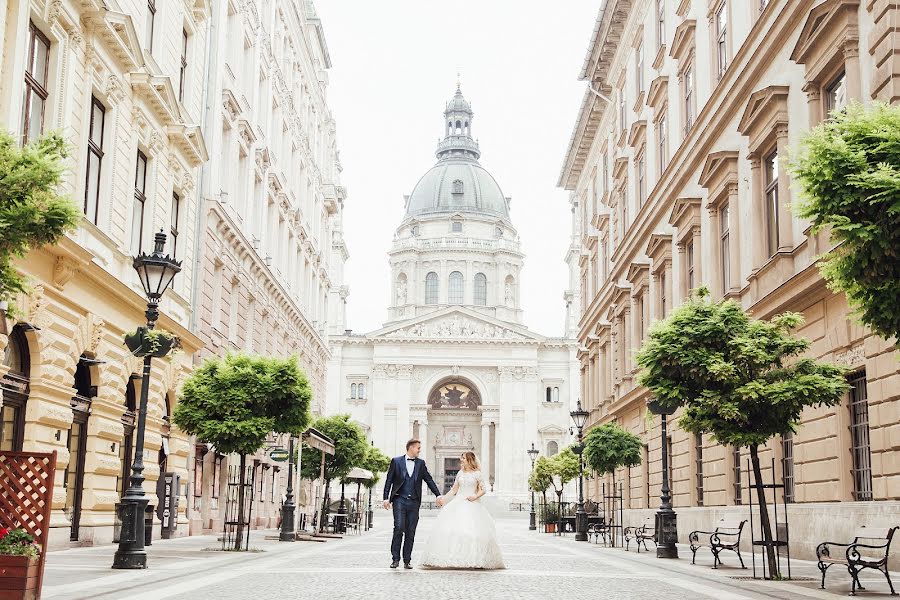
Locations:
{"points": [[451, 468]]}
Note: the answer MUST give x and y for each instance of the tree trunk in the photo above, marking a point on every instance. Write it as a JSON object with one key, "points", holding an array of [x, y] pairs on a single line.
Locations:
{"points": [[323, 515], [239, 538], [764, 523]]}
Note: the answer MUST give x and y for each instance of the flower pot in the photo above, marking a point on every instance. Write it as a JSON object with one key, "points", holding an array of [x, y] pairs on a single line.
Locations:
{"points": [[657, 409], [18, 577], [550, 528], [139, 344]]}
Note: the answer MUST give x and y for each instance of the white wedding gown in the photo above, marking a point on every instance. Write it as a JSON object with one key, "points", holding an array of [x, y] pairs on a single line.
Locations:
{"points": [[464, 536]]}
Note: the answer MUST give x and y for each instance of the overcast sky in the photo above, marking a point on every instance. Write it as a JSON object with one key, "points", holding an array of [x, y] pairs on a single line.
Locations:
{"points": [[394, 68]]}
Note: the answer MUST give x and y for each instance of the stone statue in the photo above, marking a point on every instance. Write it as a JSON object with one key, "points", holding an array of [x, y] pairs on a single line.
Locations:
{"points": [[510, 300], [401, 292]]}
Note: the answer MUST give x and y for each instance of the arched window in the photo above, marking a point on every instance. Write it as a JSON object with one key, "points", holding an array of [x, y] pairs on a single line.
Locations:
{"points": [[431, 288], [552, 448], [456, 288], [458, 186], [549, 394], [480, 289], [467, 128], [73, 481], [509, 291], [126, 446], [14, 387], [556, 394], [456, 227], [362, 391], [458, 128], [353, 391]]}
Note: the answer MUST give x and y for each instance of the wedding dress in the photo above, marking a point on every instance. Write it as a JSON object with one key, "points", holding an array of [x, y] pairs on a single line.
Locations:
{"points": [[464, 534]]}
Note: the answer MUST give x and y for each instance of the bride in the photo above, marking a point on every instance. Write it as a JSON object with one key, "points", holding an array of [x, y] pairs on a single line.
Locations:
{"points": [[464, 536]]}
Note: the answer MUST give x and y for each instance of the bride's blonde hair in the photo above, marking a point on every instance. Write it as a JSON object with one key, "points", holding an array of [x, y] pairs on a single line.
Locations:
{"points": [[470, 462]]}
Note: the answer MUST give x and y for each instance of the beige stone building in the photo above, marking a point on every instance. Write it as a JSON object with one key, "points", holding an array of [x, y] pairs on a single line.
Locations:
{"points": [[123, 82], [272, 251], [677, 171]]}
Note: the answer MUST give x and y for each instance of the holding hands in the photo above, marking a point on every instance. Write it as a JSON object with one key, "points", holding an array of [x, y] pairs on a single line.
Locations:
{"points": [[440, 501]]}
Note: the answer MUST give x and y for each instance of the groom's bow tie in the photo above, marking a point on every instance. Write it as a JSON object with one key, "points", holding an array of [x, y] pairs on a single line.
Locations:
{"points": [[412, 459]]}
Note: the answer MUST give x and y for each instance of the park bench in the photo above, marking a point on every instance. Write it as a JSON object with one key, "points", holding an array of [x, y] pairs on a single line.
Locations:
{"points": [[599, 530], [726, 536], [641, 533], [869, 549]]}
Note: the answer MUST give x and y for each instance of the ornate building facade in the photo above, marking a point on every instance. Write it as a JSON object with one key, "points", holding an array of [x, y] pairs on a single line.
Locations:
{"points": [[123, 83], [454, 366], [271, 250], [677, 173]]}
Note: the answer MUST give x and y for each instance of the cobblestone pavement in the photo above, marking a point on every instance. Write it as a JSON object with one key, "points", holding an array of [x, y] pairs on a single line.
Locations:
{"points": [[539, 566]]}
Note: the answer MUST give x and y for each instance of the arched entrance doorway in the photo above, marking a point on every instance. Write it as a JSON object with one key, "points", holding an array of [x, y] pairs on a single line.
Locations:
{"points": [[14, 388], [454, 423]]}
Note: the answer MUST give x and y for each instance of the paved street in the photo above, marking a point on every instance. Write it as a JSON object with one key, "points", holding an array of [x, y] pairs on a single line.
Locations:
{"points": [[539, 566]]}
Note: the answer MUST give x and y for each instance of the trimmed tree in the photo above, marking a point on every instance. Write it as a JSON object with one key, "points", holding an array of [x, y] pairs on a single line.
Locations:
{"points": [[350, 450], [377, 462], [563, 469], [848, 170], [609, 447], [741, 380], [541, 477], [234, 402], [32, 214]]}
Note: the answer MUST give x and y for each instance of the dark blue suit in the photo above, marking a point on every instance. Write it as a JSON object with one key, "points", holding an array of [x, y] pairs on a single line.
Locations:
{"points": [[405, 493]]}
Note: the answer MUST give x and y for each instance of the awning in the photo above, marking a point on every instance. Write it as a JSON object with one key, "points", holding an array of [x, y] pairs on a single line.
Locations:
{"points": [[319, 441], [357, 475]]}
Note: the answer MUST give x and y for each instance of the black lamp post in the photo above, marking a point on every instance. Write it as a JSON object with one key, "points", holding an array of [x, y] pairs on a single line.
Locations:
{"points": [[370, 514], [156, 271], [579, 417], [666, 520], [532, 454], [288, 530]]}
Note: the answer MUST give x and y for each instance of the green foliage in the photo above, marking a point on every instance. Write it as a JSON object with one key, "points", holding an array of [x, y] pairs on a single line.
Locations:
{"points": [[848, 170], [377, 462], [350, 448], [738, 378], [563, 469], [18, 542], [236, 401], [32, 214], [609, 447], [541, 477], [152, 339]]}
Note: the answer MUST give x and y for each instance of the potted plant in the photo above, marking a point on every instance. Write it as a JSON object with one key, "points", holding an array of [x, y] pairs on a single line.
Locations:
{"points": [[551, 517], [19, 564], [154, 342]]}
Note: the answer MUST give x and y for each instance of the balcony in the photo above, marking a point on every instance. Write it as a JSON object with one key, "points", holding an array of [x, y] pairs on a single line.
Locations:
{"points": [[457, 243]]}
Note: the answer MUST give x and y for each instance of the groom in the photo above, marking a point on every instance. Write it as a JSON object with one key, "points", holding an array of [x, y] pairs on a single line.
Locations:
{"points": [[403, 489]]}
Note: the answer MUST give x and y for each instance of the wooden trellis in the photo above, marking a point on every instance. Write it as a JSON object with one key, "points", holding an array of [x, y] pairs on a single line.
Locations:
{"points": [[26, 496]]}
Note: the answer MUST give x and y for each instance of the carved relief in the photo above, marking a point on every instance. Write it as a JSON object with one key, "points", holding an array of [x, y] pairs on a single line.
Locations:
{"points": [[851, 357], [64, 270], [456, 327], [518, 373]]}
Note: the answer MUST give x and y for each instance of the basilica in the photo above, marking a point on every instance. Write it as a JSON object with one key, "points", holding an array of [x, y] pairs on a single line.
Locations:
{"points": [[455, 366]]}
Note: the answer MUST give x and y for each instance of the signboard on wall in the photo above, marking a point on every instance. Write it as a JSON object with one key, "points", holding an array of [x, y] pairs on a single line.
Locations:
{"points": [[167, 507]]}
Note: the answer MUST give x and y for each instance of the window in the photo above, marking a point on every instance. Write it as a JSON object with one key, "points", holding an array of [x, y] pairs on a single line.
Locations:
{"points": [[660, 23], [771, 180], [552, 448], [722, 39], [431, 288], [836, 94], [663, 141], [217, 475], [641, 168], [140, 199], [645, 473], [362, 390], [736, 470], [352, 391], [36, 73], [173, 223], [555, 396], [456, 227], [549, 394], [183, 73], [455, 290], [725, 248], [698, 466], [94, 160], [763, 4], [639, 314], [151, 17], [689, 254], [688, 99], [787, 465], [859, 434], [14, 388], [623, 109], [480, 289], [639, 68]]}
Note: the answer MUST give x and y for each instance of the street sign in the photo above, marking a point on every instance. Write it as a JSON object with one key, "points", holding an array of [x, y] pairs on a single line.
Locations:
{"points": [[279, 454]]}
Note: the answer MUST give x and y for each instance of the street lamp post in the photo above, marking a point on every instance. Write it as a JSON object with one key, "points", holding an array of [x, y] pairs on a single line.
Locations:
{"points": [[579, 417], [666, 519], [370, 514], [288, 530], [156, 271], [532, 454]]}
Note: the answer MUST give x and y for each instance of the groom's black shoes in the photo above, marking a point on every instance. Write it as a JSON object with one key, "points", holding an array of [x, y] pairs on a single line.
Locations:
{"points": [[395, 564], [407, 566]]}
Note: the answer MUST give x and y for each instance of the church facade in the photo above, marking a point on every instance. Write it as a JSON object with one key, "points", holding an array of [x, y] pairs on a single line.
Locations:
{"points": [[454, 366]]}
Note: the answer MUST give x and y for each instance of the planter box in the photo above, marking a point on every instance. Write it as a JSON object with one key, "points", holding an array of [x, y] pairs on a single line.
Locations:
{"points": [[19, 578], [550, 528], [139, 345]]}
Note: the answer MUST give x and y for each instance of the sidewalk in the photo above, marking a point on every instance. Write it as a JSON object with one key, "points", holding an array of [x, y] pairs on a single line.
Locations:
{"points": [[804, 582]]}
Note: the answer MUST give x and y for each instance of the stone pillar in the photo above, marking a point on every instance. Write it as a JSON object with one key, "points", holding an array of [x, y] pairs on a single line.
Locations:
{"points": [[785, 222], [698, 257], [758, 239], [814, 102], [494, 478], [852, 70], [427, 443], [486, 449], [734, 239], [715, 279], [682, 279]]}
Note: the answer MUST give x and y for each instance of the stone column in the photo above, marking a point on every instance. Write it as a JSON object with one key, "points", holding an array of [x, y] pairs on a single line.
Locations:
{"points": [[758, 238], [852, 70], [682, 269], [734, 239], [495, 452], [698, 256], [427, 444], [486, 449], [715, 279], [785, 222], [814, 102]]}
